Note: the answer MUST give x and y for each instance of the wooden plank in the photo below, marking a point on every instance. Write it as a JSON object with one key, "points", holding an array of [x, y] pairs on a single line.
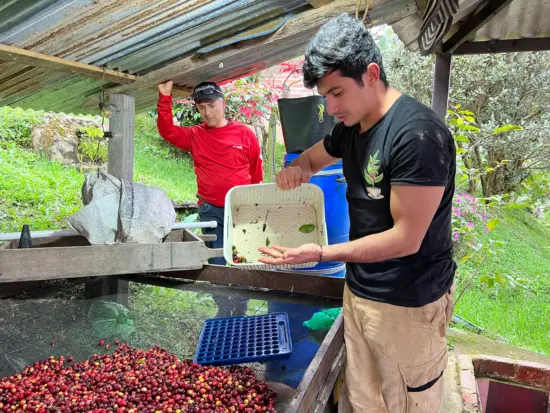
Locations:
{"points": [[35, 264], [30, 58], [330, 381], [319, 3], [481, 16], [185, 205], [244, 292], [121, 145], [286, 43], [76, 241], [207, 237], [442, 78], [504, 46], [344, 404], [273, 280], [319, 369]]}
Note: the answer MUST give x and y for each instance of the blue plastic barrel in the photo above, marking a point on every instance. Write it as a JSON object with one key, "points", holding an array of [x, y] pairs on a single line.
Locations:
{"points": [[331, 181]]}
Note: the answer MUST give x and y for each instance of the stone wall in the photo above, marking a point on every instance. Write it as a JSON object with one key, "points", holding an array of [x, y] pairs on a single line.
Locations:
{"points": [[57, 137]]}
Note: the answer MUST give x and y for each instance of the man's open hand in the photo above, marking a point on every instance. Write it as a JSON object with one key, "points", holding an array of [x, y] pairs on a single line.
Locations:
{"points": [[301, 255], [166, 88], [292, 177]]}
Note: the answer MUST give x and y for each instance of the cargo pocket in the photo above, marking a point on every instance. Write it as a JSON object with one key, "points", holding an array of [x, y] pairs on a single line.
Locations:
{"points": [[424, 384]]}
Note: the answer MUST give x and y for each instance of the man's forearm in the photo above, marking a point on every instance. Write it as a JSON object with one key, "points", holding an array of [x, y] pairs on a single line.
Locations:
{"points": [[303, 161], [314, 159], [372, 248]]}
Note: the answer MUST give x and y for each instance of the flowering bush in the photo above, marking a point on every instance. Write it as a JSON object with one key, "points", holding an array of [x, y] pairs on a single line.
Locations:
{"points": [[248, 99], [469, 215], [472, 219]]}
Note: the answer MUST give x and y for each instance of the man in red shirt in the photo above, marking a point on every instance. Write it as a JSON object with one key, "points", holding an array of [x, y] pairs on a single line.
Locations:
{"points": [[225, 154]]}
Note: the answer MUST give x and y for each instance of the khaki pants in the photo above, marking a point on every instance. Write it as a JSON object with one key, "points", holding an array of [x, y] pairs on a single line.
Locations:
{"points": [[395, 355]]}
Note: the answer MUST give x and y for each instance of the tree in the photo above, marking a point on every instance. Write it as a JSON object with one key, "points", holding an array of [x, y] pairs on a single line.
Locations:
{"points": [[501, 89]]}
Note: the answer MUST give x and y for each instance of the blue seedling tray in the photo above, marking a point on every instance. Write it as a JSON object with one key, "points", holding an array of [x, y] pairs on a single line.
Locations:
{"points": [[236, 340]]}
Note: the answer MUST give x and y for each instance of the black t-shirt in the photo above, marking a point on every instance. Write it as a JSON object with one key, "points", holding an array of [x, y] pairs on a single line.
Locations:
{"points": [[410, 145]]}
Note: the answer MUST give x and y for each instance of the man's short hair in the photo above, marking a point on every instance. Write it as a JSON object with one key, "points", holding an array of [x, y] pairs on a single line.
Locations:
{"points": [[343, 44]]}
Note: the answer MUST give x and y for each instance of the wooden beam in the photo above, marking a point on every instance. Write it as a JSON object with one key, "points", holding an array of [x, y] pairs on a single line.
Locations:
{"points": [[244, 292], [474, 22], [121, 145], [30, 58], [272, 280], [442, 77], [330, 381], [504, 46], [36, 264], [319, 3], [320, 369], [257, 54]]}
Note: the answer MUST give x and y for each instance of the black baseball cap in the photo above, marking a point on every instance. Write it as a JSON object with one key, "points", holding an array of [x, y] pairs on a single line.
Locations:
{"points": [[207, 90]]}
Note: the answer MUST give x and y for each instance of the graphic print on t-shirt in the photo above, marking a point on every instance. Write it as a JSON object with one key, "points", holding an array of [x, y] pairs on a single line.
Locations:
{"points": [[372, 176]]}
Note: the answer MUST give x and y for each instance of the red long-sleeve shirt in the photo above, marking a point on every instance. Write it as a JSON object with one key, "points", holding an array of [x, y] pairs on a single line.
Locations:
{"points": [[223, 157]]}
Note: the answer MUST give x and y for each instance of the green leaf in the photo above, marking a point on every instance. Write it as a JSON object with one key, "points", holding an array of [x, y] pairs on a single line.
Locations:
{"points": [[465, 258], [490, 283], [470, 128], [267, 242], [460, 151], [470, 119], [493, 223], [378, 178], [307, 228], [466, 112], [462, 138], [506, 128]]}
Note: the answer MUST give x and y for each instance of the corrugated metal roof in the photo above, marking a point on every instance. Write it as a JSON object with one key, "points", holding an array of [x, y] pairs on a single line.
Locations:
{"points": [[133, 36], [141, 36], [521, 19]]}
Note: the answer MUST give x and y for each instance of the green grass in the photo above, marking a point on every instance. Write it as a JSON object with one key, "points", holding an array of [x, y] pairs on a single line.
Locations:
{"points": [[35, 191], [154, 165], [521, 315]]}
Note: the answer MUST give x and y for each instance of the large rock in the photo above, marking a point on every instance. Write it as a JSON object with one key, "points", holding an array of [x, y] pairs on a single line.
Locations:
{"points": [[146, 214], [98, 185], [121, 211], [98, 221]]}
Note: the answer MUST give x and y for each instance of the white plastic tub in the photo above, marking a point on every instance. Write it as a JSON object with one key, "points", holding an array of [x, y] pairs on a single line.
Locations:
{"points": [[262, 215]]}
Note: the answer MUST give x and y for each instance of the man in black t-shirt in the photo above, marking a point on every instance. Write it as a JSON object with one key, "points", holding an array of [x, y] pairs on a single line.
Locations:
{"points": [[399, 162]]}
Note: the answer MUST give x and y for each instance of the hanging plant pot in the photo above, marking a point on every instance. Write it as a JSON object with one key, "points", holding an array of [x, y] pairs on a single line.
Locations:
{"points": [[305, 121]]}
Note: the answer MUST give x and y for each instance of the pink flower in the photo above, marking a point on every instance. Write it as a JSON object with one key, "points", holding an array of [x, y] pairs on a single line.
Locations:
{"points": [[486, 230], [455, 236], [470, 224]]}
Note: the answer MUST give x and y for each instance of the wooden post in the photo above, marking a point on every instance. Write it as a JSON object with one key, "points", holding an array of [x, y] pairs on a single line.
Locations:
{"points": [[271, 139], [442, 77], [121, 163], [121, 145]]}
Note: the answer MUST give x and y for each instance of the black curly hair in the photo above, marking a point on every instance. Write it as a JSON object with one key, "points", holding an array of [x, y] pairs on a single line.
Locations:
{"points": [[343, 44]]}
